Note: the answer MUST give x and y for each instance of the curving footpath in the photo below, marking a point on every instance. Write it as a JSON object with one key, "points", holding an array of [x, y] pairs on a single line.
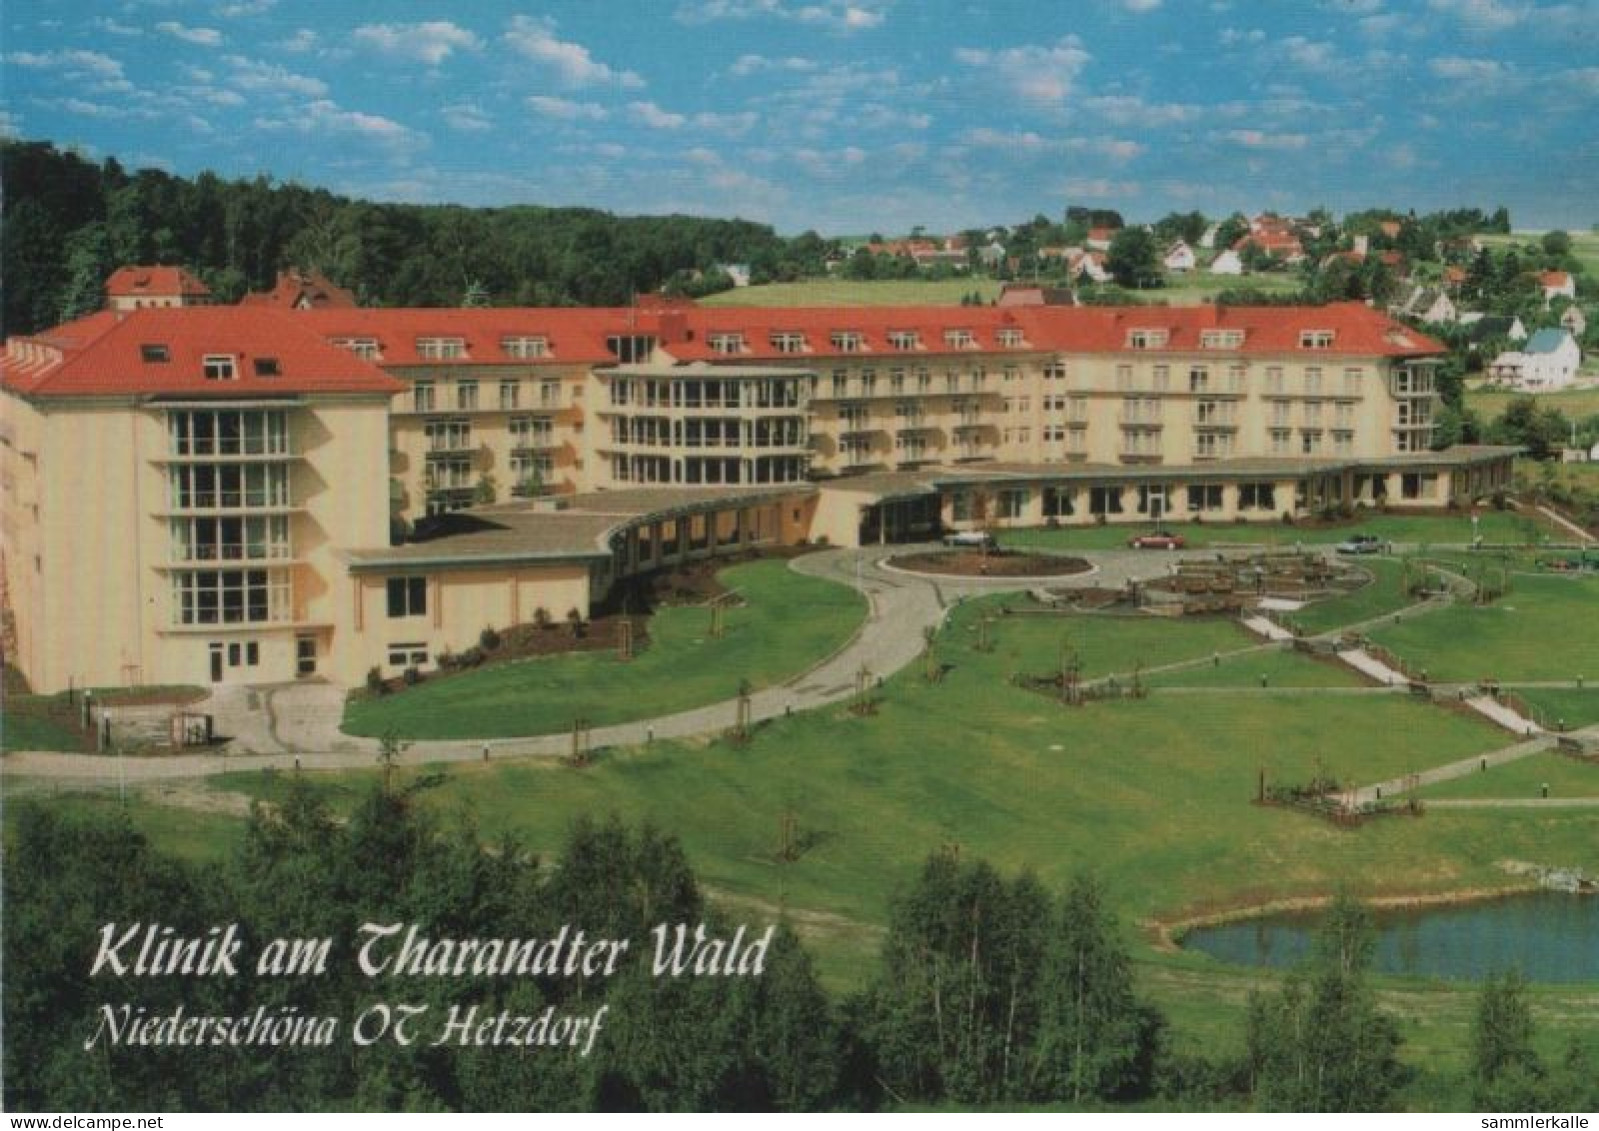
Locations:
{"points": [[298, 724]]}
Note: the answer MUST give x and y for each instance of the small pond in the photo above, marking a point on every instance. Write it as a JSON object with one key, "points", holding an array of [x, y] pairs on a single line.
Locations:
{"points": [[1548, 936]]}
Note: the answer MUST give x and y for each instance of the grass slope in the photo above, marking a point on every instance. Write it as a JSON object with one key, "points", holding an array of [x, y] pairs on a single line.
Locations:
{"points": [[788, 622]]}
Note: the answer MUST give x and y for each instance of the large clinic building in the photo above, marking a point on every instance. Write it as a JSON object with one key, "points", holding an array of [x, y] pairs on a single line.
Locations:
{"points": [[254, 494]]}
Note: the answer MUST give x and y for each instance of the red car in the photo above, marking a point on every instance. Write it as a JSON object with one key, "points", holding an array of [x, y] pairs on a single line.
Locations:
{"points": [[1157, 540]]}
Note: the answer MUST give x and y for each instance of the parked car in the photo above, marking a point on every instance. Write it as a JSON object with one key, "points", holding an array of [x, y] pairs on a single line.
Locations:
{"points": [[1157, 540], [1362, 544], [972, 539]]}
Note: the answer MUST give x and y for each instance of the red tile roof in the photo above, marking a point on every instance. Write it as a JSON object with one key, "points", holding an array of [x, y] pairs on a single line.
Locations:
{"points": [[104, 355], [1555, 279], [101, 354], [301, 290], [131, 282]]}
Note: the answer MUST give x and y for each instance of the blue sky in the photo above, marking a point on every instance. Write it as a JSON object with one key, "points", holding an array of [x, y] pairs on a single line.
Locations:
{"points": [[839, 115]]}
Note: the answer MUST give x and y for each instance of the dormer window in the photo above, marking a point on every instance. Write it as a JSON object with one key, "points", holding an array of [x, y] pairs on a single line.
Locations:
{"points": [[1010, 338], [904, 340], [847, 341], [788, 341], [726, 343], [440, 349], [1146, 339], [268, 367], [1315, 339], [1221, 339], [153, 352], [959, 339], [218, 367], [523, 347], [364, 348]]}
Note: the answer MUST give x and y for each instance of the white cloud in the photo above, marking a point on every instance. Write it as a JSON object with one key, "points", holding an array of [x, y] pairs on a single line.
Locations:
{"points": [[1484, 15], [1355, 7], [834, 15], [90, 63], [1381, 26], [651, 115], [1261, 139], [1458, 69], [466, 116], [536, 40], [1037, 74], [876, 116], [325, 116], [9, 124], [1140, 5], [202, 36], [213, 95], [269, 78], [1130, 110], [239, 8], [111, 27], [564, 108], [757, 64], [300, 42], [1099, 188], [1309, 54], [656, 118], [431, 42], [1232, 36]]}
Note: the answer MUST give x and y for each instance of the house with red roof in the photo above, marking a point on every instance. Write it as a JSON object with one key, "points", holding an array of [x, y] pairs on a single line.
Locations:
{"points": [[144, 288], [301, 289], [1557, 284]]}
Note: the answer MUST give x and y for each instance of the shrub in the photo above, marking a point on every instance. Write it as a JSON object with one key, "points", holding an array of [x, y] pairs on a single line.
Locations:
{"points": [[488, 639], [448, 661], [574, 621], [472, 657], [541, 617], [1288, 518], [412, 676], [374, 680]]}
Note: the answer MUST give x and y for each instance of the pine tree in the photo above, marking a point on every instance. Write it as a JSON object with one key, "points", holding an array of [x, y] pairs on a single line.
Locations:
{"points": [[1505, 1071]]}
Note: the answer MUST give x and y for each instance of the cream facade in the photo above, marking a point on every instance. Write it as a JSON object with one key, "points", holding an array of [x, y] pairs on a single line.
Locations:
{"points": [[250, 495]]}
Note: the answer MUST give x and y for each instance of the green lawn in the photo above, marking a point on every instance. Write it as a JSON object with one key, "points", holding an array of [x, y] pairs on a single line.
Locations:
{"points": [[1105, 644], [1577, 404], [1384, 594], [854, 292], [788, 623], [1493, 526], [1577, 708], [1281, 667], [1152, 795], [1525, 778], [37, 722], [1544, 629]]}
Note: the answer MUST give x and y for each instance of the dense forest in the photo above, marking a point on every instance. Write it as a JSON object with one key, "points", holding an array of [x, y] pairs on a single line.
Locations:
{"points": [[990, 991], [68, 223]]}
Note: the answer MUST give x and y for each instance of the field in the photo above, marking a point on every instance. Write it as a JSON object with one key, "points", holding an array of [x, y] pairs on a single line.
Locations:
{"points": [[1525, 779], [1584, 245], [1180, 290], [1541, 630], [1576, 404], [787, 623]]}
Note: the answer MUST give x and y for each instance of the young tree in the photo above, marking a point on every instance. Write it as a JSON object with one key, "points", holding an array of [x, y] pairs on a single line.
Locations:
{"points": [[1095, 1039], [1505, 1072], [1321, 1043]]}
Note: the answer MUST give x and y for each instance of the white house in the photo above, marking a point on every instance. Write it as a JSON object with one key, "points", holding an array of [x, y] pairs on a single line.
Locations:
{"points": [[1429, 304], [1575, 321], [1548, 361], [1091, 264], [1227, 263], [1179, 257], [1557, 284]]}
